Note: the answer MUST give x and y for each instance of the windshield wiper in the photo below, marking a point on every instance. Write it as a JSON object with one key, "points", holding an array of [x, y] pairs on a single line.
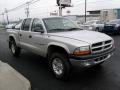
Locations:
{"points": [[71, 29]]}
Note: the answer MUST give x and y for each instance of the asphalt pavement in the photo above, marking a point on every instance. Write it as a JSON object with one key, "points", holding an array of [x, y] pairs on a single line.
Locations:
{"points": [[36, 70]]}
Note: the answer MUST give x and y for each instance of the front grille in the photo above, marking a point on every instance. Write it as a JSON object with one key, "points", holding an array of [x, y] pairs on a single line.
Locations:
{"points": [[97, 49], [107, 46], [109, 41], [101, 46], [97, 44]]}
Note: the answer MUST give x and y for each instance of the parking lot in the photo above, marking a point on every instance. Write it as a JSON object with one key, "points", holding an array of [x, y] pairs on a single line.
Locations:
{"points": [[35, 69]]}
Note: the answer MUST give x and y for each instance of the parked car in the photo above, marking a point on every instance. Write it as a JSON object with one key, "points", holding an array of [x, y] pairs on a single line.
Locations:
{"points": [[9, 26], [112, 27], [95, 25], [62, 42], [2, 26]]}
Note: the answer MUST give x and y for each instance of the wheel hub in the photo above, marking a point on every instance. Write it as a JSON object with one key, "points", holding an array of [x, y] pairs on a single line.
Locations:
{"points": [[57, 66], [13, 48]]}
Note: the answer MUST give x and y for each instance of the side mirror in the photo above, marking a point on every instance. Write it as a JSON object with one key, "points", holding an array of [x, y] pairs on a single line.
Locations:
{"points": [[39, 29]]}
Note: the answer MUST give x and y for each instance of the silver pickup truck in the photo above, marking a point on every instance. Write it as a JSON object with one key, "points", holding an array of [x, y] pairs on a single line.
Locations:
{"points": [[62, 42]]}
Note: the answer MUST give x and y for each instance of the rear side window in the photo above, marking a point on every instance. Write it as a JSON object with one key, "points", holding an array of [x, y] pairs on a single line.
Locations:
{"points": [[26, 24]]}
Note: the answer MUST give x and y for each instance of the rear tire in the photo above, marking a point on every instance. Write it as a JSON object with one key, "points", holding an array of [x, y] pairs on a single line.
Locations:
{"points": [[60, 66], [14, 49]]}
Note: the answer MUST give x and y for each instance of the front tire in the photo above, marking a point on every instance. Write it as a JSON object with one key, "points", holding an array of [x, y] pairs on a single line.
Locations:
{"points": [[60, 66], [14, 49]]}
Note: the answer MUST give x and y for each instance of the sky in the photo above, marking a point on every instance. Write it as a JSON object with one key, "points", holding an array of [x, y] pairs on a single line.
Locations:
{"points": [[44, 7]]}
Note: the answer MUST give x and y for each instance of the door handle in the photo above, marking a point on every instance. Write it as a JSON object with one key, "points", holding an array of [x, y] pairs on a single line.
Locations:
{"points": [[30, 36], [20, 35]]}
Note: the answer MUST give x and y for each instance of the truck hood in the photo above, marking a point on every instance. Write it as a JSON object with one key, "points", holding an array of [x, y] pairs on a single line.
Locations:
{"points": [[83, 35]]}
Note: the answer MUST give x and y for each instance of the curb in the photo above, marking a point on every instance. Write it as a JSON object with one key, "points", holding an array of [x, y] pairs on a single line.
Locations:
{"points": [[10, 79]]}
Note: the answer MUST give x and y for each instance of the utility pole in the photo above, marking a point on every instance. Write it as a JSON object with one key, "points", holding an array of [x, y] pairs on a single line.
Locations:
{"points": [[3, 18], [27, 12], [60, 9], [6, 11], [85, 9]]}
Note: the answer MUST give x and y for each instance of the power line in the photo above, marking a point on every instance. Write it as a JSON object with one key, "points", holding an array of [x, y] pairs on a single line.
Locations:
{"points": [[23, 5], [28, 4], [18, 7], [34, 1]]}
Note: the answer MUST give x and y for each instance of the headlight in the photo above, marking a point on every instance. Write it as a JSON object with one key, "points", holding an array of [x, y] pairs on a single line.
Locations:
{"points": [[85, 50]]}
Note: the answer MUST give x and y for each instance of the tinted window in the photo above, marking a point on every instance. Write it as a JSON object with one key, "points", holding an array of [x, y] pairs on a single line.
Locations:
{"points": [[26, 24], [36, 25]]}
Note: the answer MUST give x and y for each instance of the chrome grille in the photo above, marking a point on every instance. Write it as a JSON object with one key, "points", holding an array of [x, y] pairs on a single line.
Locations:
{"points": [[101, 46]]}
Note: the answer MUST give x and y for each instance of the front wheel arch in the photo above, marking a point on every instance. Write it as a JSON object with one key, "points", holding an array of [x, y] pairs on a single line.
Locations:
{"points": [[55, 48]]}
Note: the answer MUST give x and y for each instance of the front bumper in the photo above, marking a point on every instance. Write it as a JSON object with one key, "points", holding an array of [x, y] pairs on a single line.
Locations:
{"points": [[91, 60]]}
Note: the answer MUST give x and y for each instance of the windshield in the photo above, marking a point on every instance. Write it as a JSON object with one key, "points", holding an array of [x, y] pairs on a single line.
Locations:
{"points": [[59, 24]]}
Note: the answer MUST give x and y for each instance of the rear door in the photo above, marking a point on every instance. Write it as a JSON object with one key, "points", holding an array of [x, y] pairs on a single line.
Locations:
{"points": [[24, 33]]}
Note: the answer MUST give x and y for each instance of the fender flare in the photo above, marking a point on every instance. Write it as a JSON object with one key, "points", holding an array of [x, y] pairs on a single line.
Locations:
{"points": [[59, 45]]}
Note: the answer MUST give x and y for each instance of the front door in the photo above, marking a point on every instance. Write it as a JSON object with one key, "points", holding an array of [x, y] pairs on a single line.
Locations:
{"points": [[37, 40]]}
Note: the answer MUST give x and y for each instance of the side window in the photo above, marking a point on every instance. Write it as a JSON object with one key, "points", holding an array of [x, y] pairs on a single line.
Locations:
{"points": [[36, 25], [26, 24]]}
